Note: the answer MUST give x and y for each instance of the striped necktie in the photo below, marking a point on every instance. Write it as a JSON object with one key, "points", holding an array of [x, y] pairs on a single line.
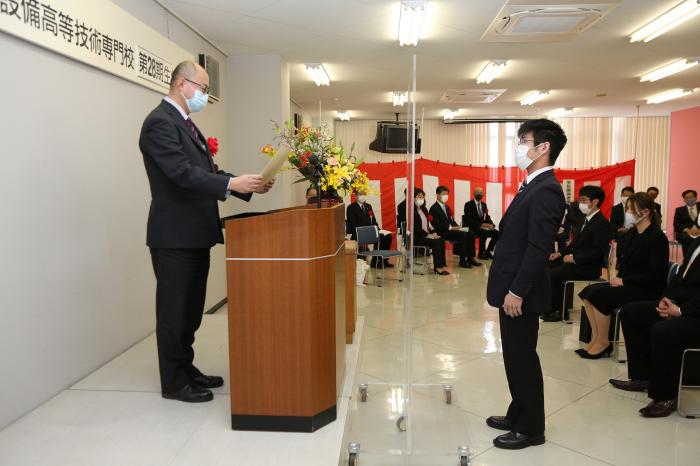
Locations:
{"points": [[197, 137]]}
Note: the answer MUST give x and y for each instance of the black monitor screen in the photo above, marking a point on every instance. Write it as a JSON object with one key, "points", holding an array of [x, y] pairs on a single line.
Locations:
{"points": [[397, 138]]}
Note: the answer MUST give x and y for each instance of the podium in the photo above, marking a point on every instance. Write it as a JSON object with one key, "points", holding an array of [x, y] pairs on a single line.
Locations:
{"points": [[286, 305]]}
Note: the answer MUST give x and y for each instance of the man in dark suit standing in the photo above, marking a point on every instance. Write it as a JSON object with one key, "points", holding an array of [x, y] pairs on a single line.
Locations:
{"points": [[519, 281], [584, 258], [657, 333], [617, 215], [445, 225], [183, 224], [476, 217], [686, 225], [653, 191], [360, 214]]}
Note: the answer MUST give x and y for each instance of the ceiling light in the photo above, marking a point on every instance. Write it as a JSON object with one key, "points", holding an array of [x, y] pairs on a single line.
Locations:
{"points": [[667, 21], [490, 71], [399, 98], [671, 68], [411, 21], [669, 95], [344, 116], [534, 96], [318, 74], [450, 114], [560, 112]]}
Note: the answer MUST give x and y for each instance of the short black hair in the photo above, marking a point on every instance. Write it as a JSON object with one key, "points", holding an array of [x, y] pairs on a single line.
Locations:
{"points": [[592, 192], [309, 189], [417, 191], [653, 188], [695, 193], [544, 130], [441, 189], [627, 188]]}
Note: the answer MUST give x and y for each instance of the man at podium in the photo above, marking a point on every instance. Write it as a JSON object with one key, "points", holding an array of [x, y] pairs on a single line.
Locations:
{"points": [[183, 225]]}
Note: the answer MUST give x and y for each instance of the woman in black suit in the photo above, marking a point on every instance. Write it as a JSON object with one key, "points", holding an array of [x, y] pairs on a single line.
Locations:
{"points": [[425, 235], [642, 274]]}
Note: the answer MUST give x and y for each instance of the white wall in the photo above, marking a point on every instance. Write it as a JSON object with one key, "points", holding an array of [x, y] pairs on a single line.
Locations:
{"points": [[77, 286]]}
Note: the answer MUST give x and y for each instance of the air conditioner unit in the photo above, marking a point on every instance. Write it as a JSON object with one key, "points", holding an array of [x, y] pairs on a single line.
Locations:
{"points": [[212, 67], [544, 22]]}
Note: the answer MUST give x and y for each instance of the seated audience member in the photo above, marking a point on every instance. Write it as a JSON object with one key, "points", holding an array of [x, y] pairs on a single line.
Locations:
{"points": [[360, 214], [577, 218], [445, 225], [642, 274], [617, 215], [584, 258], [476, 217], [654, 193], [311, 195], [686, 224], [401, 212], [657, 333], [425, 234]]}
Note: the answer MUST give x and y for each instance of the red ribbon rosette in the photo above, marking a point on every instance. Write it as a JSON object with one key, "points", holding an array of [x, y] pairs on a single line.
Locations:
{"points": [[213, 144]]}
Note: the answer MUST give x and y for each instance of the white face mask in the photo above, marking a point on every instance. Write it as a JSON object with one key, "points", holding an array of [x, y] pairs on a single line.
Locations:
{"points": [[585, 208], [362, 199], [521, 158], [623, 200], [420, 202], [631, 220], [444, 198]]}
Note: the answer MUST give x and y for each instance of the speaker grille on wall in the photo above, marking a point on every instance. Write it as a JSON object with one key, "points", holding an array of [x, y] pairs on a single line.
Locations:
{"points": [[212, 67]]}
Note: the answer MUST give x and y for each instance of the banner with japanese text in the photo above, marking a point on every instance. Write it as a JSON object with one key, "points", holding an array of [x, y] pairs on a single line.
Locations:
{"points": [[97, 33]]}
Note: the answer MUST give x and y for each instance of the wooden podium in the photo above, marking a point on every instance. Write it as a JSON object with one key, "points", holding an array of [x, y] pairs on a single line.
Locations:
{"points": [[286, 305]]}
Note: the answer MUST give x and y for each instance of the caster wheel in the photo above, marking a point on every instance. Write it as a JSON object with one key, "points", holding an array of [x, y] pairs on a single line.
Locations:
{"points": [[401, 424], [352, 459], [448, 393], [363, 392], [353, 453], [462, 461], [463, 453]]}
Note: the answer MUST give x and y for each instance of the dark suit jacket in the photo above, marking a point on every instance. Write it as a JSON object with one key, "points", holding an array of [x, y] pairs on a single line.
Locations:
{"points": [[441, 222], [418, 230], [686, 291], [575, 216], [356, 217], [521, 258], [184, 190], [471, 217], [590, 246], [644, 258], [681, 221], [657, 208], [401, 213], [617, 216]]}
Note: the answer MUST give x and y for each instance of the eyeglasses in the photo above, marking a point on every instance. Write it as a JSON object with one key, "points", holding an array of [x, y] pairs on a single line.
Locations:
{"points": [[525, 141], [203, 87]]}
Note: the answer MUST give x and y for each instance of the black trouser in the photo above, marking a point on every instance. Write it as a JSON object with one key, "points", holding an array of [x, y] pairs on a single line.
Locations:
{"points": [[483, 235], [523, 371], [655, 346], [438, 247], [181, 277], [464, 243], [560, 272]]}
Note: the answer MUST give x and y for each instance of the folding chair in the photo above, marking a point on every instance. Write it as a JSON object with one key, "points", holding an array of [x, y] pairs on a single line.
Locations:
{"points": [[564, 309], [426, 251], [367, 236], [689, 381]]}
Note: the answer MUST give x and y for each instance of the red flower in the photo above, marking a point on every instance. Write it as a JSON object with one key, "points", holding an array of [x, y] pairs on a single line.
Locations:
{"points": [[370, 214], [430, 218], [304, 160], [213, 144]]}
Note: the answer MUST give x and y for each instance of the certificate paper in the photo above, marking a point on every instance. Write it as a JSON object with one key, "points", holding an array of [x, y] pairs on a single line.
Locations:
{"points": [[274, 165]]}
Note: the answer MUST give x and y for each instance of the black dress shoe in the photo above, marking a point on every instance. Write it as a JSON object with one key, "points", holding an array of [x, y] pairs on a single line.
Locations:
{"points": [[499, 422], [516, 441], [475, 263], [552, 317], [603, 354], [190, 394], [465, 265], [630, 385], [580, 351], [388, 265], [444, 272], [659, 408], [208, 381]]}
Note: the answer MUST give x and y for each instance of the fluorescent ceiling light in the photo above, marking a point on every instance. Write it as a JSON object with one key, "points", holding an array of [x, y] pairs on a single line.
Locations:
{"points": [[490, 71], [672, 68], [450, 114], [411, 21], [534, 96], [399, 98], [669, 95], [677, 15], [344, 116], [318, 74], [560, 112]]}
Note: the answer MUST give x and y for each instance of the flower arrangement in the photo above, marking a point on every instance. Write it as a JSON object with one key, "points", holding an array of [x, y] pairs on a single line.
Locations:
{"points": [[309, 149]]}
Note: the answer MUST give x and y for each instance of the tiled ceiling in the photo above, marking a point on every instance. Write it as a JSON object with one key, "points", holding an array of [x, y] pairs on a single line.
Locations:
{"points": [[356, 41]]}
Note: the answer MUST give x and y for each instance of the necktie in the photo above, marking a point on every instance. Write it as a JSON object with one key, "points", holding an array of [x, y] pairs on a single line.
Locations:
{"points": [[478, 209], [195, 132], [522, 187], [584, 224]]}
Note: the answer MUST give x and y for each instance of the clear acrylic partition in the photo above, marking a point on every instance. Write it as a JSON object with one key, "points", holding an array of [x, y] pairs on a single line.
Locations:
{"points": [[405, 408]]}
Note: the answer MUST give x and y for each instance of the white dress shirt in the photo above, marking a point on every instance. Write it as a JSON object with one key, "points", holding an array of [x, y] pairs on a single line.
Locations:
{"points": [[534, 174]]}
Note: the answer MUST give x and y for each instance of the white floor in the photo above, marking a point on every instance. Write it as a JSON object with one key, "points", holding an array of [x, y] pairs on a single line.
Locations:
{"points": [[116, 416]]}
